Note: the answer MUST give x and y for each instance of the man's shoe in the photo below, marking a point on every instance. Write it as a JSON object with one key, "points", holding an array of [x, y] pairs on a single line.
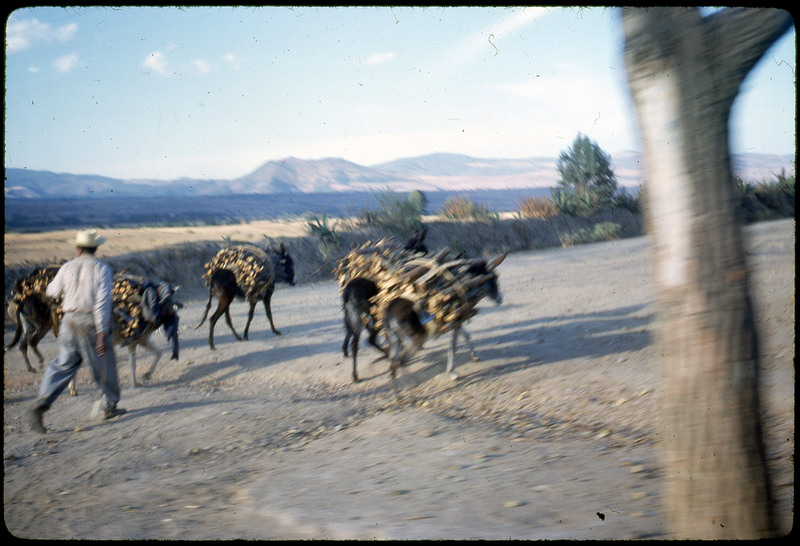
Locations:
{"points": [[35, 417], [110, 413]]}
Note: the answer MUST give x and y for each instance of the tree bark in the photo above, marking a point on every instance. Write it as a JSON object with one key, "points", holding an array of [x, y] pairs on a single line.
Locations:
{"points": [[684, 72]]}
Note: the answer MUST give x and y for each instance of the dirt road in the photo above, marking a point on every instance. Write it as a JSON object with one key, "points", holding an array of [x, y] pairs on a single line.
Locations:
{"points": [[552, 434]]}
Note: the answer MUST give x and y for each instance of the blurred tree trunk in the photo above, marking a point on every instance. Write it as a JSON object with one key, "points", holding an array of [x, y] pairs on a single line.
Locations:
{"points": [[684, 72]]}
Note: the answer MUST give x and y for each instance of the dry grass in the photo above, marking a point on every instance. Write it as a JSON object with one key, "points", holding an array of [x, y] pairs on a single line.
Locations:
{"points": [[537, 207]]}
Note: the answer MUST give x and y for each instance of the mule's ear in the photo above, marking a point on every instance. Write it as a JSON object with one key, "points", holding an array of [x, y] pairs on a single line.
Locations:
{"points": [[497, 261], [283, 248]]}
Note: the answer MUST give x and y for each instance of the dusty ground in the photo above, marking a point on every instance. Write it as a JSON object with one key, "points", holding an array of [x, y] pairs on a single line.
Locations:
{"points": [[268, 438]]}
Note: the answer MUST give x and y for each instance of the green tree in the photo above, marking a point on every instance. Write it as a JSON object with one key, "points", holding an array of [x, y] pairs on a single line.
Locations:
{"points": [[418, 200], [586, 181]]}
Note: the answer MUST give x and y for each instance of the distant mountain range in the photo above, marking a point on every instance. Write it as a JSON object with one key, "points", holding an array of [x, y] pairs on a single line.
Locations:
{"points": [[435, 172]]}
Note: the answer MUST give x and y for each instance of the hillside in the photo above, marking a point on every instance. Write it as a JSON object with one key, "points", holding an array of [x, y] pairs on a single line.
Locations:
{"points": [[435, 172]]}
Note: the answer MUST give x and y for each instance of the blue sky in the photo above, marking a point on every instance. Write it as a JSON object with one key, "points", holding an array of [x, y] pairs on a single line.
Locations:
{"points": [[167, 93]]}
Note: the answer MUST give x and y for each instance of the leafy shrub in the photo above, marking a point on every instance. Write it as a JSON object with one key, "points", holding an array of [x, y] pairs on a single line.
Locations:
{"points": [[537, 207], [603, 231], [574, 238], [328, 238], [627, 199], [462, 208], [399, 213], [319, 228], [606, 231], [767, 200]]}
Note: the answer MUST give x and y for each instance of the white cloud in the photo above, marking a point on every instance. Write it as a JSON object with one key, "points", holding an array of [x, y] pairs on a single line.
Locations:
{"points": [[22, 35], [201, 67], [378, 58], [66, 63], [232, 60], [567, 87], [157, 62]]}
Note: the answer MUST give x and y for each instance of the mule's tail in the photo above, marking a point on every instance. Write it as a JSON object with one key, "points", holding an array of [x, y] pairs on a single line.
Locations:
{"points": [[208, 307], [18, 331]]}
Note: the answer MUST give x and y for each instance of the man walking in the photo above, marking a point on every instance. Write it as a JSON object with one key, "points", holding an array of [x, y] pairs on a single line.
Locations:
{"points": [[85, 285]]}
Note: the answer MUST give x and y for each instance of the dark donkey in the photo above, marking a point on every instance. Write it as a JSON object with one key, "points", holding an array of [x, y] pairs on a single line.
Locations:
{"points": [[407, 329], [33, 313], [223, 284], [356, 297], [34, 319]]}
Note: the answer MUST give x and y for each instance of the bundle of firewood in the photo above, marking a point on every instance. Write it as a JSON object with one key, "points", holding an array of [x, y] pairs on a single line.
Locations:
{"points": [[443, 294], [442, 290], [251, 266], [373, 261], [127, 304], [35, 284]]}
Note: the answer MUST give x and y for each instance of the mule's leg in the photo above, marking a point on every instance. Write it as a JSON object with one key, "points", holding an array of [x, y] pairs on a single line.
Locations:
{"points": [[230, 323], [72, 386], [451, 354], [346, 342], [393, 350], [348, 332], [393, 346], [27, 337], [34, 342], [268, 308], [403, 357], [404, 331], [404, 340], [148, 344], [211, 323], [23, 348], [408, 352], [472, 352], [354, 350], [352, 333], [372, 339], [222, 309], [132, 360], [249, 318]]}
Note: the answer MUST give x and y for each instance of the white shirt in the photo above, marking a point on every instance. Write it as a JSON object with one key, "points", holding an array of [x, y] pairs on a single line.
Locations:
{"points": [[86, 285]]}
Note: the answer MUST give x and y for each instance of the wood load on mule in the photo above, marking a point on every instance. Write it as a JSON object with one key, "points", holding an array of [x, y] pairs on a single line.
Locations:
{"points": [[443, 293], [426, 300], [140, 307], [248, 272], [423, 296]]}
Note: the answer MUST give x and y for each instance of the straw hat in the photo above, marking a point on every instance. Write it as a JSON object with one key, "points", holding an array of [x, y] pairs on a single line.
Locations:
{"points": [[88, 238]]}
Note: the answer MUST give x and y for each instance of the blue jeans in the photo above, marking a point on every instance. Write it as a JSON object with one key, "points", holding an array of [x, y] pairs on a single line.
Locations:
{"points": [[77, 344]]}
